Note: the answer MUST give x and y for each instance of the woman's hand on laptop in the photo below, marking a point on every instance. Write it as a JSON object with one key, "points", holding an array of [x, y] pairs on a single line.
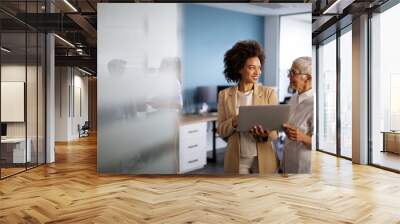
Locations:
{"points": [[259, 133]]}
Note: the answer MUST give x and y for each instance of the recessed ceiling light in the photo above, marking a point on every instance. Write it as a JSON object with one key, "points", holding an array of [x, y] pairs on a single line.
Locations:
{"points": [[70, 5], [337, 7], [5, 50], [64, 40], [84, 71]]}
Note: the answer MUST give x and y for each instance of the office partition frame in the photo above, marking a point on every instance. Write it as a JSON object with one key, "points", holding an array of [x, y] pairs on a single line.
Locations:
{"points": [[43, 54]]}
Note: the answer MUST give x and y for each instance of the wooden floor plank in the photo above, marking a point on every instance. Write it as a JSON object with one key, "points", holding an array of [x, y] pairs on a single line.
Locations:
{"points": [[71, 191]]}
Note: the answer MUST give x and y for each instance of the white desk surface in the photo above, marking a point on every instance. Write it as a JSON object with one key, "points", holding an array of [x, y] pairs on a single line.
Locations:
{"points": [[191, 119], [13, 140]]}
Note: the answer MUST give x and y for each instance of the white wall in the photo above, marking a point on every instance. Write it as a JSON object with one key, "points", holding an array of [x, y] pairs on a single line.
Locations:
{"points": [[68, 82], [33, 125], [79, 117], [61, 103], [12, 73]]}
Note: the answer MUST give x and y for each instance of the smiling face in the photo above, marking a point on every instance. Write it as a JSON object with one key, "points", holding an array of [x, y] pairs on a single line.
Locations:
{"points": [[251, 71]]}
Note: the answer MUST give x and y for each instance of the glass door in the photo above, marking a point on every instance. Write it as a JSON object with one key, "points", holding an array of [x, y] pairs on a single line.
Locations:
{"points": [[326, 105], [385, 89]]}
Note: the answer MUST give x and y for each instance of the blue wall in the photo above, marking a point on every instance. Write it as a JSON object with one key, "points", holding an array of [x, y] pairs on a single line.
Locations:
{"points": [[207, 34]]}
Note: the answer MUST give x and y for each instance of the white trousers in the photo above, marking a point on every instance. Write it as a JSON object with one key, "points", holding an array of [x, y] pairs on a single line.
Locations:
{"points": [[248, 165]]}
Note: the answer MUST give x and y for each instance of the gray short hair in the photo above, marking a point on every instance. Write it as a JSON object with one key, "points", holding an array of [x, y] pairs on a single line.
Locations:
{"points": [[303, 65]]}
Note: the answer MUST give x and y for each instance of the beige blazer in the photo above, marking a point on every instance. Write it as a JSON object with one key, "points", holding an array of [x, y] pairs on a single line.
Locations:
{"points": [[227, 101]]}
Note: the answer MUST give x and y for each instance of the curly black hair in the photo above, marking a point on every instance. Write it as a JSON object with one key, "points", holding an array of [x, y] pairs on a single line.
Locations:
{"points": [[236, 57]]}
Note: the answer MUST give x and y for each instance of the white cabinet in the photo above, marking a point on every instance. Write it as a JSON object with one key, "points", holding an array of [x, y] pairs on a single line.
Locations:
{"points": [[20, 154], [17, 148], [192, 146]]}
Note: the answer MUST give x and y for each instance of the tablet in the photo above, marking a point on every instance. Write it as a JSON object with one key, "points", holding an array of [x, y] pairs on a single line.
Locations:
{"points": [[270, 117]]}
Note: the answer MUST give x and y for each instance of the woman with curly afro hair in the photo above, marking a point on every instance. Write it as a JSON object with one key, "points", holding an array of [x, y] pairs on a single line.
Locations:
{"points": [[247, 152]]}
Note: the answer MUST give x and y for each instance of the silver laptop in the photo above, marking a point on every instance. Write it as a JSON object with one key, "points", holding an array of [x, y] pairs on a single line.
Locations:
{"points": [[270, 117]]}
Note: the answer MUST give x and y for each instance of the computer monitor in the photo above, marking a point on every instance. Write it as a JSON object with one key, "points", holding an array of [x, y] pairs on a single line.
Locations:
{"points": [[220, 88], [209, 95], [206, 94], [3, 129]]}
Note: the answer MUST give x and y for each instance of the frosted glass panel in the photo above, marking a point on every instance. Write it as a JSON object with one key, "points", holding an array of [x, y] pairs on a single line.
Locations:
{"points": [[138, 88]]}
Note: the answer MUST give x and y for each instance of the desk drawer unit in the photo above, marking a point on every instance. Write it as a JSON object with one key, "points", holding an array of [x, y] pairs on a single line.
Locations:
{"points": [[14, 149], [392, 142], [192, 147], [193, 131], [20, 155]]}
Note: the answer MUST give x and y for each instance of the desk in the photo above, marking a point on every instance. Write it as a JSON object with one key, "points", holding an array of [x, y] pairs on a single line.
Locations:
{"points": [[391, 141], [13, 150], [213, 117]]}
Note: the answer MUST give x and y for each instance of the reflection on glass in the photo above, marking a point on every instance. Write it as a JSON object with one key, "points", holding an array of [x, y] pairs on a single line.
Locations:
{"points": [[386, 89], [13, 87], [327, 97], [346, 94]]}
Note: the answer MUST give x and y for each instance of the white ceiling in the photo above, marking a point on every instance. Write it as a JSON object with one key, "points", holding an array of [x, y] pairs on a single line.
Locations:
{"points": [[264, 9]]}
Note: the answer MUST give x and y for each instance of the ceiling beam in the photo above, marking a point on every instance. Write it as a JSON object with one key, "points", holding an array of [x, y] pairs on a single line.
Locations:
{"points": [[86, 26], [82, 61]]}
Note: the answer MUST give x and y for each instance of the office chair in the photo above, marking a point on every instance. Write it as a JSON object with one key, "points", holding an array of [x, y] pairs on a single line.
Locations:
{"points": [[84, 130]]}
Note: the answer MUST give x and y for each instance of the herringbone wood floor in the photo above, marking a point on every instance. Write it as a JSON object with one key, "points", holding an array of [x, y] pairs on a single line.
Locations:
{"points": [[70, 191]]}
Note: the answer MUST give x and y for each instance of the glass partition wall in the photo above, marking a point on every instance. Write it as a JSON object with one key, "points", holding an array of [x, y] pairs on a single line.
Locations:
{"points": [[326, 135], [334, 101], [334, 94], [13, 88], [385, 89], [22, 88]]}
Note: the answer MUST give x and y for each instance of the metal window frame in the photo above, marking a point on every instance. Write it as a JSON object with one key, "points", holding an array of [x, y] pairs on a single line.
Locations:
{"points": [[334, 37], [386, 6]]}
